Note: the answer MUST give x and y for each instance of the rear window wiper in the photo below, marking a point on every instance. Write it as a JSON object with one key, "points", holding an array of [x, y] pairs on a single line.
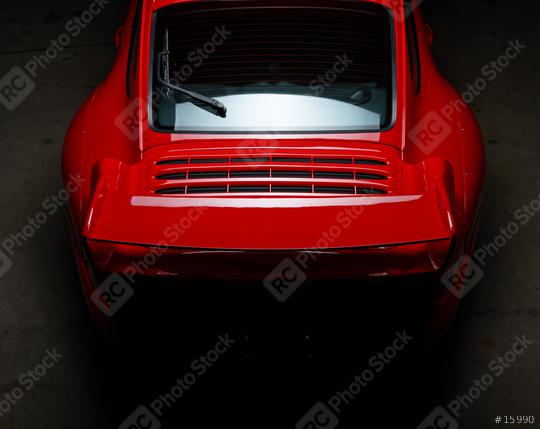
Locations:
{"points": [[163, 76]]}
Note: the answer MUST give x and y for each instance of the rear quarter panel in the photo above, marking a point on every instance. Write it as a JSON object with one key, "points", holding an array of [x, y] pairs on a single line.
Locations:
{"points": [[452, 134]]}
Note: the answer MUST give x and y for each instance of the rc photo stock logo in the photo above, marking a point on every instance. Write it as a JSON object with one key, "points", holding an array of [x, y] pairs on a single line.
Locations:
{"points": [[15, 86], [129, 120], [430, 132], [112, 294], [285, 279], [462, 276]]}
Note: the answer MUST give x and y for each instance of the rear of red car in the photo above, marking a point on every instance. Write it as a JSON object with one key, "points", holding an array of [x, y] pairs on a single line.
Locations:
{"points": [[308, 174], [359, 213]]}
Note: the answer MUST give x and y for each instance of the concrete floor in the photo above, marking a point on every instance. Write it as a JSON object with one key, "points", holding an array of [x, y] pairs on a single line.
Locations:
{"points": [[95, 385]]}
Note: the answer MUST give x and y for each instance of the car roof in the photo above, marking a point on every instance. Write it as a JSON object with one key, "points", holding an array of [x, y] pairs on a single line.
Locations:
{"points": [[391, 4]]}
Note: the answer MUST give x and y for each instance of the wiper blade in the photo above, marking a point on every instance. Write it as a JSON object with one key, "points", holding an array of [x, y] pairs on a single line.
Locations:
{"points": [[163, 73]]}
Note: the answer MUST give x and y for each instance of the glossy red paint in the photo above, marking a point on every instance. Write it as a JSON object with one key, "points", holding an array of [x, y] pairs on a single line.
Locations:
{"points": [[424, 221]]}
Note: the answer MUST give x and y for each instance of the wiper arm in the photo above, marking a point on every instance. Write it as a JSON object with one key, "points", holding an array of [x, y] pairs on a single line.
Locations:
{"points": [[164, 79]]}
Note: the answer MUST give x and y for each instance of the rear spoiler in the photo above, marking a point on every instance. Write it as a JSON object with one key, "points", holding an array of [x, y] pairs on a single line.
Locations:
{"points": [[117, 214]]}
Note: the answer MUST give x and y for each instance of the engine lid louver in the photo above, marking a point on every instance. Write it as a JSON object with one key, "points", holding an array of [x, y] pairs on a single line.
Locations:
{"points": [[277, 174]]}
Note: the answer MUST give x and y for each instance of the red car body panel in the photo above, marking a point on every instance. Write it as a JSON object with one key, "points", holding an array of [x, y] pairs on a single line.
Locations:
{"points": [[426, 219]]}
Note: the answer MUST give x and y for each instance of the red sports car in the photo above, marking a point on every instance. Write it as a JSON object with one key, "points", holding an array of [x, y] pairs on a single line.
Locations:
{"points": [[274, 140]]}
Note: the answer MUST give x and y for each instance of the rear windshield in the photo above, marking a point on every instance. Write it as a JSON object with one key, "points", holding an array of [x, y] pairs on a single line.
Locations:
{"points": [[276, 69]]}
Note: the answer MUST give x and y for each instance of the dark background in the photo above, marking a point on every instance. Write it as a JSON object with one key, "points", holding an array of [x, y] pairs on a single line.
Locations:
{"points": [[96, 385]]}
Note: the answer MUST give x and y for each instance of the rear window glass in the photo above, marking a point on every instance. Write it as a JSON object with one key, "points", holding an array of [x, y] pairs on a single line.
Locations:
{"points": [[276, 68]]}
